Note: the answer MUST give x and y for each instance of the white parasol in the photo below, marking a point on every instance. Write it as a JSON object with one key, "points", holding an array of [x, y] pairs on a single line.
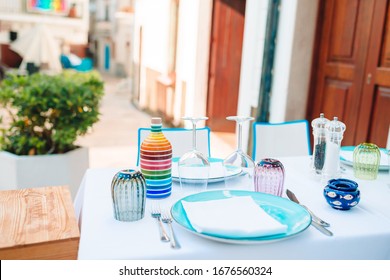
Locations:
{"points": [[38, 45]]}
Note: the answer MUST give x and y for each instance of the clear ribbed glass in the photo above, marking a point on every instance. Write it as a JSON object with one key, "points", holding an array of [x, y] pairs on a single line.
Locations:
{"points": [[128, 191], [366, 160], [269, 176]]}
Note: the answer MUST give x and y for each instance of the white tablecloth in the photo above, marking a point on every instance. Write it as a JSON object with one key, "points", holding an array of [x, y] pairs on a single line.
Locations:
{"points": [[360, 233]]}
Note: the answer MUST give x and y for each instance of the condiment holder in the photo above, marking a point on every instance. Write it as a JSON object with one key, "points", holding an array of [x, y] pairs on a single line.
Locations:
{"points": [[342, 194], [319, 147], [334, 135]]}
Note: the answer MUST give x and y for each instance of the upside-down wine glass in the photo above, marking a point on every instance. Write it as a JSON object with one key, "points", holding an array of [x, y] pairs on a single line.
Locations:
{"points": [[194, 166], [239, 162]]}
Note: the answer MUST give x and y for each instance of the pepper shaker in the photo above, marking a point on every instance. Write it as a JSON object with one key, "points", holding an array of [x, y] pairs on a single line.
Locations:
{"points": [[319, 147]]}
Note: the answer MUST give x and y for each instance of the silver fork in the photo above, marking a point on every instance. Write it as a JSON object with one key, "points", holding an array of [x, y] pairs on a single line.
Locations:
{"points": [[156, 213], [167, 219]]}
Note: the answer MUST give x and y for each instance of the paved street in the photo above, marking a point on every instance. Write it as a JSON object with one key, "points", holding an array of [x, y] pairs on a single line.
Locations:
{"points": [[113, 140]]}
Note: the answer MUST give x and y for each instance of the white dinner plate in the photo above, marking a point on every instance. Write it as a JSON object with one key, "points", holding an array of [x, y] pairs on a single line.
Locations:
{"points": [[346, 157], [281, 209], [216, 171]]}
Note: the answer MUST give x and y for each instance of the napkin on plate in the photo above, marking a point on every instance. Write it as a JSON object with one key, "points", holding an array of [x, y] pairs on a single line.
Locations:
{"points": [[235, 217]]}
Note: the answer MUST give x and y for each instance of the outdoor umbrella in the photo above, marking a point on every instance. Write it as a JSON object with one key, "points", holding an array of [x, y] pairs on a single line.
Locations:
{"points": [[37, 45]]}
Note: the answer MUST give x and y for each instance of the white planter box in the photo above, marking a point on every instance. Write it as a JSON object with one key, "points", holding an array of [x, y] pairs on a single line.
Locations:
{"points": [[19, 172]]}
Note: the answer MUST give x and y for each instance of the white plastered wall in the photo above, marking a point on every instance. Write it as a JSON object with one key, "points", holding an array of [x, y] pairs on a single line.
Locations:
{"points": [[292, 64], [153, 17], [192, 58], [252, 59], [290, 86]]}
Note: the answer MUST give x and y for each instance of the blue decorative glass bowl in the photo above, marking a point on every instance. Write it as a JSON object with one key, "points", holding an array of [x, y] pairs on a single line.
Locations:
{"points": [[342, 194]]}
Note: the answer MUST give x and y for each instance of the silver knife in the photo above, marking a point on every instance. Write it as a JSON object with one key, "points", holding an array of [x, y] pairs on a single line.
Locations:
{"points": [[315, 223], [292, 197], [324, 230]]}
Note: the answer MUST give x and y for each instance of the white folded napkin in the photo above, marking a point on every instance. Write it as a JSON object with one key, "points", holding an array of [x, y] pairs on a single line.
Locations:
{"points": [[235, 217]]}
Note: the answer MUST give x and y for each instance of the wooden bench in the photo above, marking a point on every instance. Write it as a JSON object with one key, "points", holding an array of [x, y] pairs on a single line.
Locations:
{"points": [[38, 223]]}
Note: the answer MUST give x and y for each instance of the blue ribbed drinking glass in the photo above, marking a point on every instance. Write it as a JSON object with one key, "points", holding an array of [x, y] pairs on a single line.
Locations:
{"points": [[128, 191]]}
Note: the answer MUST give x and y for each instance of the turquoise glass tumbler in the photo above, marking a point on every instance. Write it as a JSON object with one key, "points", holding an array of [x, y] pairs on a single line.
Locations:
{"points": [[128, 191], [366, 160]]}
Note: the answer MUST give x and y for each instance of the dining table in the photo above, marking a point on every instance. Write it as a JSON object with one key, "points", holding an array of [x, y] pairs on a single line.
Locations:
{"points": [[363, 232]]}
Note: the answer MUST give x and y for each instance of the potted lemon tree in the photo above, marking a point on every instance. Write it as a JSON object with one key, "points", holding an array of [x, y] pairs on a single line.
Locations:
{"points": [[42, 116]]}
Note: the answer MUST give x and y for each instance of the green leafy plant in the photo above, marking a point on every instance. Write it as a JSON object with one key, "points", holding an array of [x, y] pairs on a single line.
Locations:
{"points": [[48, 113]]}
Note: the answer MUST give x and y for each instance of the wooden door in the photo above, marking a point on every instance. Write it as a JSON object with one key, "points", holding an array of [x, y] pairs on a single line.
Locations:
{"points": [[345, 79], [225, 63], [374, 119]]}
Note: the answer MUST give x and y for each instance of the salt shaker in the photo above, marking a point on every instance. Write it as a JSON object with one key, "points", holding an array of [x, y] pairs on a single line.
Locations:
{"points": [[319, 134], [334, 135]]}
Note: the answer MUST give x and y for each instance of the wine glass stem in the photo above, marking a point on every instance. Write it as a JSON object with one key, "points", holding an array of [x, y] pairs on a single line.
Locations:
{"points": [[194, 136], [239, 137]]}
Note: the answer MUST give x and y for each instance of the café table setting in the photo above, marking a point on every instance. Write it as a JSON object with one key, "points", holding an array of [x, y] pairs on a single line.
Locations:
{"points": [[199, 207]]}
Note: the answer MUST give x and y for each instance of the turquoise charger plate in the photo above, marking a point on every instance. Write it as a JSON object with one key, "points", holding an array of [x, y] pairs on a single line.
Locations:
{"points": [[281, 209]]}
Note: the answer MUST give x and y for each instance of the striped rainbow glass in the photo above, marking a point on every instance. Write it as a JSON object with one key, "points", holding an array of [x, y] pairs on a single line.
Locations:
{"points": [[156, 162]]}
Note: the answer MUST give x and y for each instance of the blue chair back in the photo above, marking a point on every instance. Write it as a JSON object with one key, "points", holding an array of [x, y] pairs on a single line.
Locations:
{"points": [[275, 140], [181, 140]]}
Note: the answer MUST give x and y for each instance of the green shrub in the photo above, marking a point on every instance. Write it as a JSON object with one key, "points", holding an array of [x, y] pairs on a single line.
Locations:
{"points": [[48, 113]]}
